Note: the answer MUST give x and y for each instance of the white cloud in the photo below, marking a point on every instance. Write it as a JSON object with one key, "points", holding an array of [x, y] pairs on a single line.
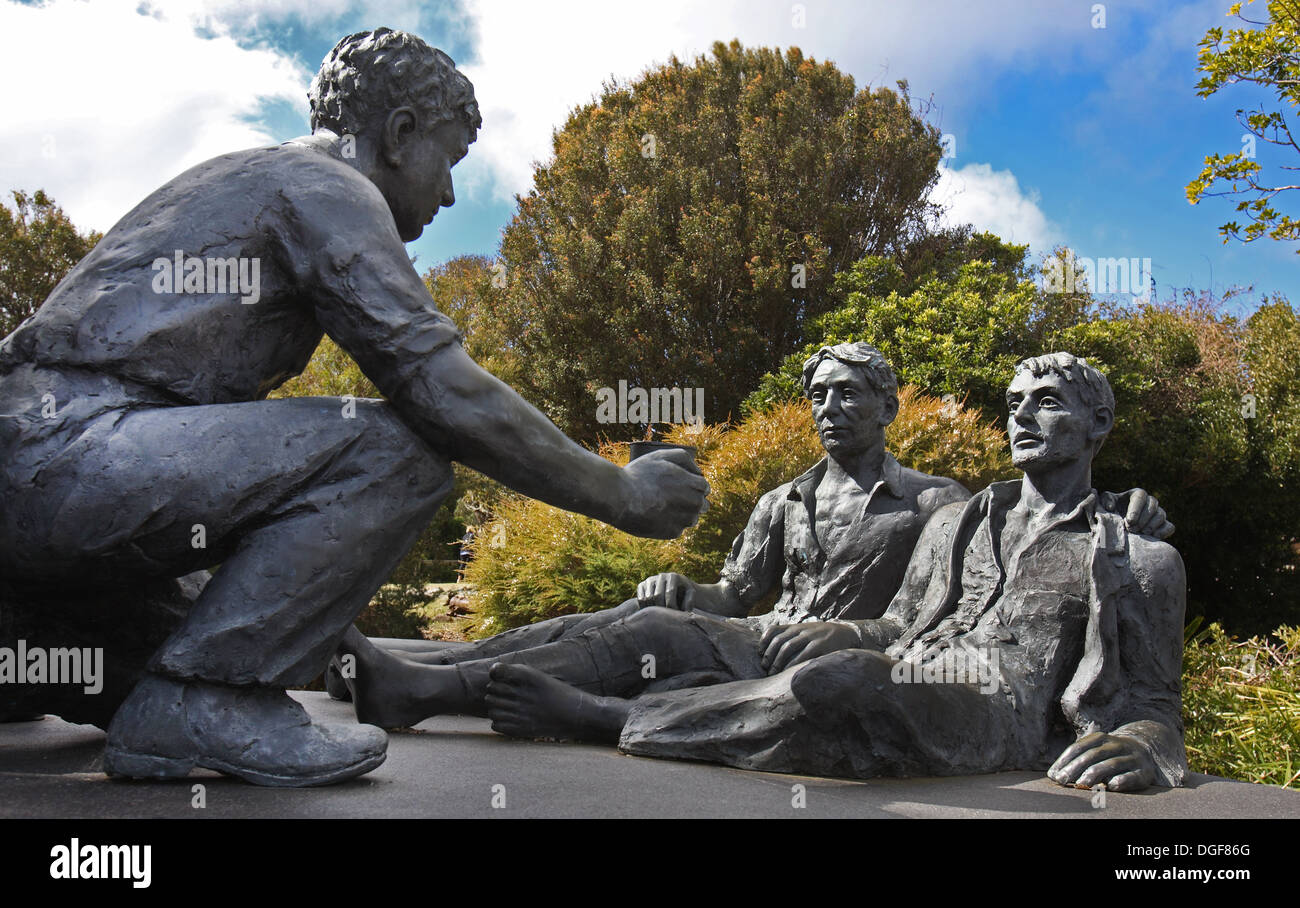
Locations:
{"points": [[112, 102], [536, 61], [130, 99], [993, 200]]}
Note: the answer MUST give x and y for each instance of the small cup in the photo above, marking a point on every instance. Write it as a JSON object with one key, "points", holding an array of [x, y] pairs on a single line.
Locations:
{"points": [[641, 448]]}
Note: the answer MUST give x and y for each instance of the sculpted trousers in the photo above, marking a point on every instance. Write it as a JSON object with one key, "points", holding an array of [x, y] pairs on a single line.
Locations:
{"points": [[842, 714], [307, 509], [650, 649]]}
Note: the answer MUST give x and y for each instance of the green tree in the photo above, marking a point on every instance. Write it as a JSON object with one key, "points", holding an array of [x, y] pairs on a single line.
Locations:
{"points": [[465, 288], [692, 222], [1267, 55], [38, 246], [956, 325]]}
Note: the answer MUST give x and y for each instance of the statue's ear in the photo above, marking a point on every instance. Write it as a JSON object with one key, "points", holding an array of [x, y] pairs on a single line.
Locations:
{"points": [[398, 127], [1102, 424], [890, 411]]}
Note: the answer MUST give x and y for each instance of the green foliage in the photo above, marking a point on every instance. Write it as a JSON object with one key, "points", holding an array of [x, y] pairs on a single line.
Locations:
{"points": [[1267, 56], [534, 561], [38, 246], [658, 246], [329, 373], [741, 464], [947, 438], [1241, 705], [1221, 465], [949, 337], [956, 326], [463, 289]]}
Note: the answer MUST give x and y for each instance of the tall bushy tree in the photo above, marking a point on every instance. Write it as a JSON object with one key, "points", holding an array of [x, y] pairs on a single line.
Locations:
{"points": [[692, 222], [38, 246]]}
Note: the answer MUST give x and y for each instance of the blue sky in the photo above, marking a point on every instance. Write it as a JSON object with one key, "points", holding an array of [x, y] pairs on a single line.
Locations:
{"points": [[1064, 131]]}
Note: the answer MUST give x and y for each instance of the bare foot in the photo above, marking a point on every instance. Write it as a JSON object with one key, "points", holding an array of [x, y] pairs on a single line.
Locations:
{"points": [[391, 692], [525, 703]]}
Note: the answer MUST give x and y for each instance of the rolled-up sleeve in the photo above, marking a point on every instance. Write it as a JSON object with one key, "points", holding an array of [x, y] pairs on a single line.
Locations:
{"points": [[757, 560]]}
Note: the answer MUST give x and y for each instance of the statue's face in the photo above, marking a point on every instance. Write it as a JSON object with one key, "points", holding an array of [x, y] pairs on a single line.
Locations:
{"points": [[850, 414], [1050, 423], [422, 181]]}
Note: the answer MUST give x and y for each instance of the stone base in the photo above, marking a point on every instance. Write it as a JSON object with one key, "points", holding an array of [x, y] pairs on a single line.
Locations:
{"points": [[449, 767]]}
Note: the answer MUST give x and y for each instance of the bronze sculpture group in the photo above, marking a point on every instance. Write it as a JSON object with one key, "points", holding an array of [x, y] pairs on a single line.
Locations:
{"points": [[918, 629]]}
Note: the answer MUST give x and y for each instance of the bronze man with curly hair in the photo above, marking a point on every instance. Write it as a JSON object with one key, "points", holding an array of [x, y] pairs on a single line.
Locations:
{"points": [[137, 446]]}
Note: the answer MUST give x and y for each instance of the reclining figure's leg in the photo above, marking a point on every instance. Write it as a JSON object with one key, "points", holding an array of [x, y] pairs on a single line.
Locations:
{"points": [[843, 714], [623, 658]]}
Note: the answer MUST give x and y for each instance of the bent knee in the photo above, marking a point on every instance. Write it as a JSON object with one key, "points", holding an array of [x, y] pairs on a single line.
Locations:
{"points": [[837, 676]]}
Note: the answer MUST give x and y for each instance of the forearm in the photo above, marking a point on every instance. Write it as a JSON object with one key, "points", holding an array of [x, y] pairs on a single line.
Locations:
{"points": [[483, 423], [877, 633], [720, 599]]}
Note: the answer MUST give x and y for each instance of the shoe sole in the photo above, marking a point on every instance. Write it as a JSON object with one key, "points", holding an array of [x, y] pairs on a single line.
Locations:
{"points": [[147, 766]]}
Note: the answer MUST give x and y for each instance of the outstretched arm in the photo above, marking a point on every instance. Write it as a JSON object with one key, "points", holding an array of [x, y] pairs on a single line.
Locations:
{"points": [[370, 300], [483, 423]]}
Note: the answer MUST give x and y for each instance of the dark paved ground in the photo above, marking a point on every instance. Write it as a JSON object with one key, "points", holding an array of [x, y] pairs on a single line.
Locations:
{"points": [[449, 767]]}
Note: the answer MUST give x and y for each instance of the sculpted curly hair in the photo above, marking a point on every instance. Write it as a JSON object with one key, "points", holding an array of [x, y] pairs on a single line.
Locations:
{"points": [[372, 72]]}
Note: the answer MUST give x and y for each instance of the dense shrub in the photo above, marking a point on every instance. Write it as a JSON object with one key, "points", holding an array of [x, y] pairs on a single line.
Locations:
{"points": [[1222, 463], [954, 322], [1241, 705]]}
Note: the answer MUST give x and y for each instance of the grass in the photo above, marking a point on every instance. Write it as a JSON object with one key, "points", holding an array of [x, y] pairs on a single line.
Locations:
{"points": [[1241, 704]]}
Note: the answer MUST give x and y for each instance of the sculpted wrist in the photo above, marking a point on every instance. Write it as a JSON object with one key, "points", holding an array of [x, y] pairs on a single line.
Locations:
{"points": [[861, 642]]}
